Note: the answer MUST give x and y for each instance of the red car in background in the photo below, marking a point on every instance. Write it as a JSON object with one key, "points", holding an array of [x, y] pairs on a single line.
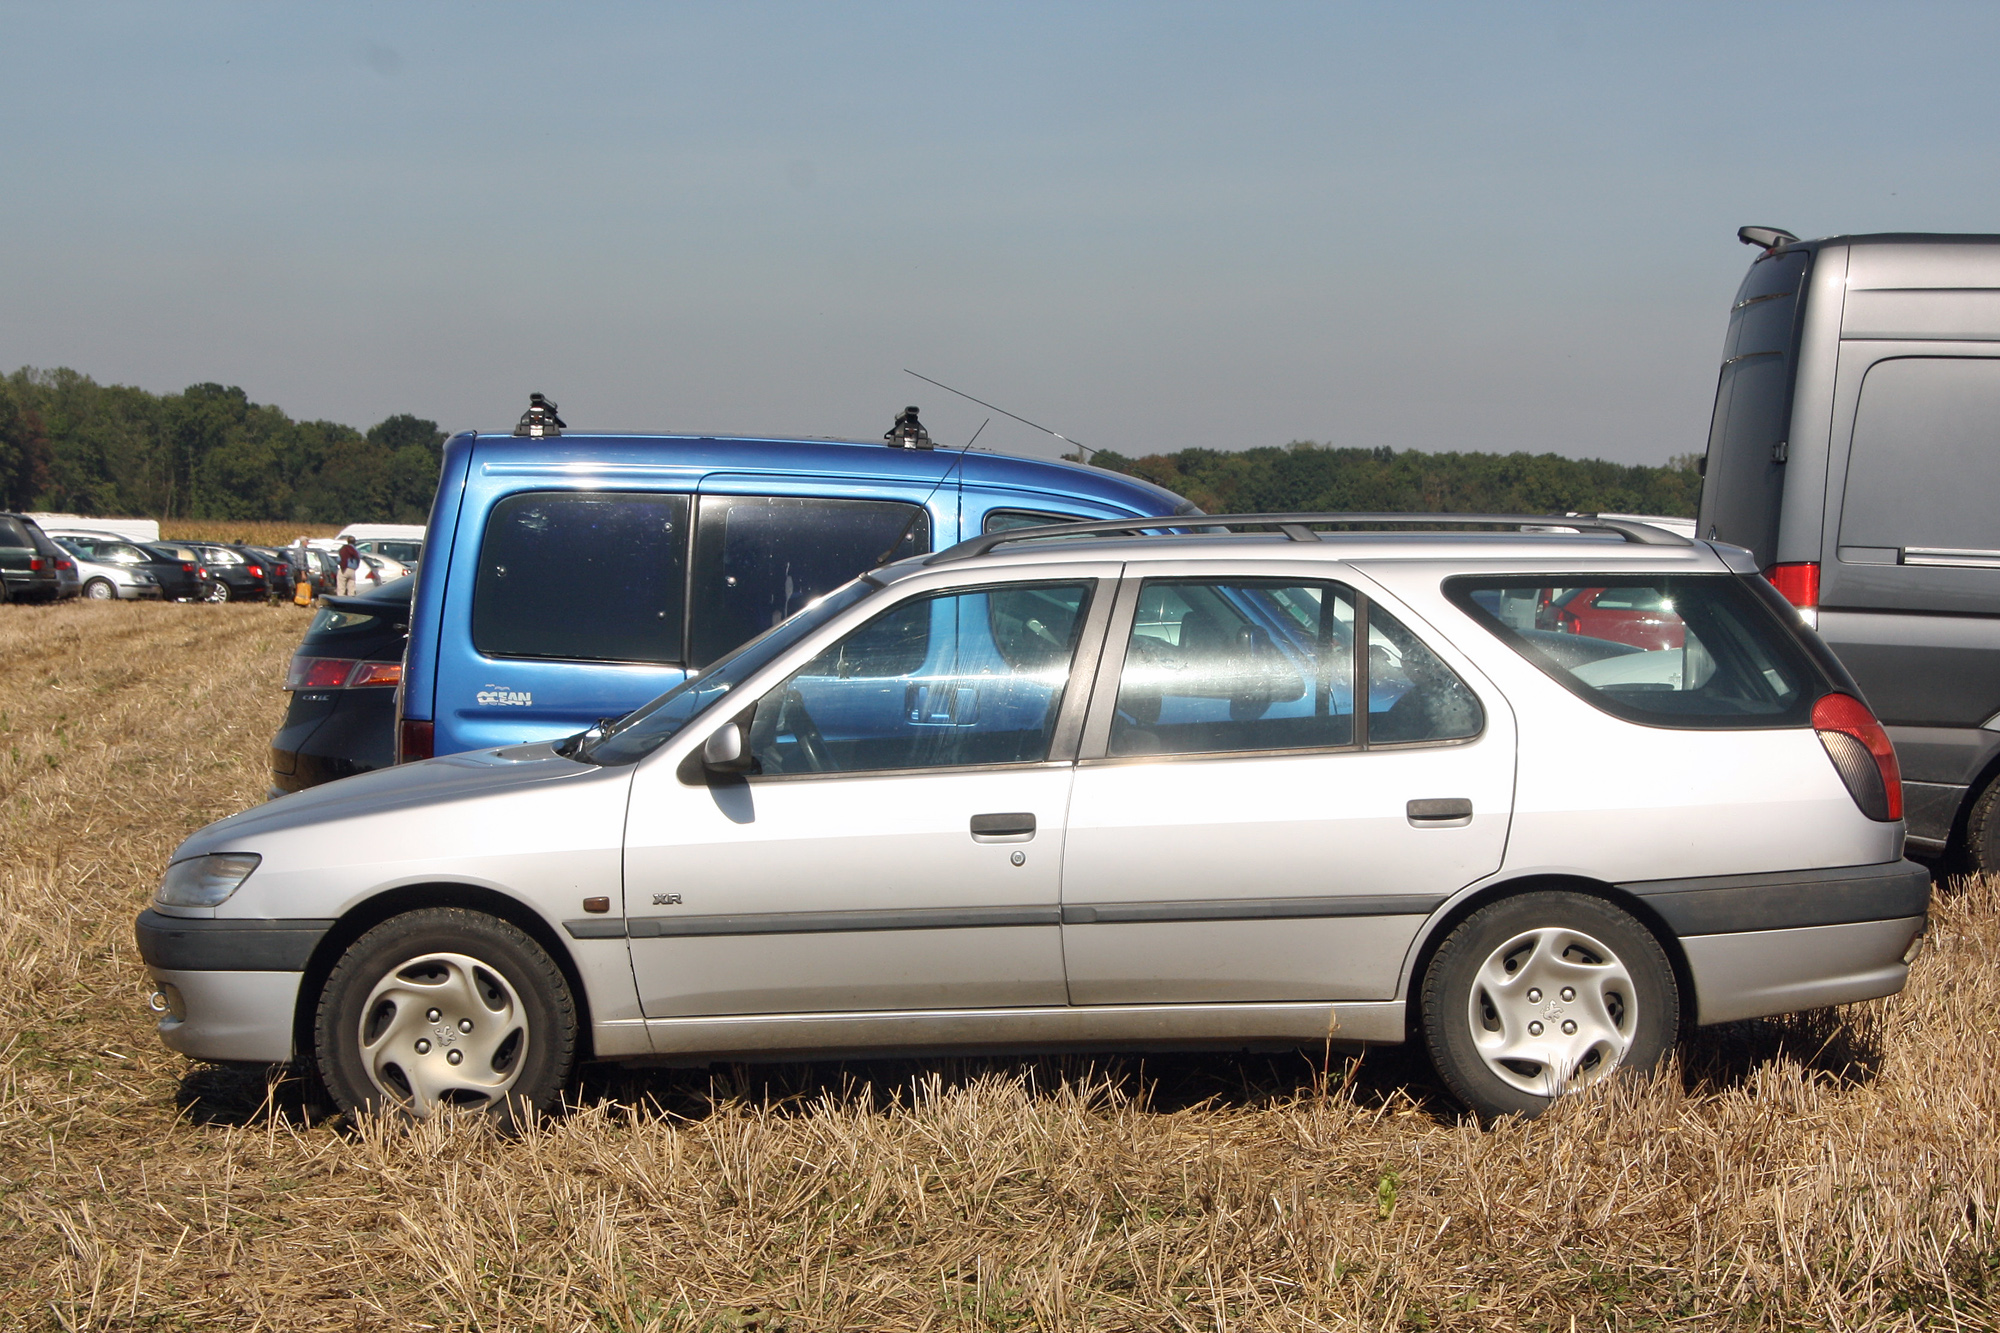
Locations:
{"points": [[1643, 617]]}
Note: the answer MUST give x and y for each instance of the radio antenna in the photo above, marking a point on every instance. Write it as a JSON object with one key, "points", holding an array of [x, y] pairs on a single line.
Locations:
{"points": [[936, 486], [1002, 411]]}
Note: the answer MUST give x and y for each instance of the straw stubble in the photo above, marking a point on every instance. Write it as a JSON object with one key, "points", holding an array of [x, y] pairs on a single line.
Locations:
{"points": [[1836, 1171]]}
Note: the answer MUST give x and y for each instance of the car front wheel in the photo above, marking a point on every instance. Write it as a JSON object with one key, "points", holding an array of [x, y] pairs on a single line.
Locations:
{"points": [[99, 590], [445, 1009], [1534, 996]]}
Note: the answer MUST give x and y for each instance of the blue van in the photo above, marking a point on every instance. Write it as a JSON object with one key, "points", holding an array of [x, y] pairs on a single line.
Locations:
{"points": [[570, 578]]}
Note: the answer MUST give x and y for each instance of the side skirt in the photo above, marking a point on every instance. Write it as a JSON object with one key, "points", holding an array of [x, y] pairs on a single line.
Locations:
{"points": [[939, 1031]]}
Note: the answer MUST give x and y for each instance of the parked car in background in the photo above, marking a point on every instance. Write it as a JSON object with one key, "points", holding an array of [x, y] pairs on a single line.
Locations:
{"points": [[572, 577], [1201, 790], [1642, 617], [1852, 448], [341, 719], [27, 571], [175, 579], [408, 554], [69, 581], [207, 588], [239, 570], [109, 580]]}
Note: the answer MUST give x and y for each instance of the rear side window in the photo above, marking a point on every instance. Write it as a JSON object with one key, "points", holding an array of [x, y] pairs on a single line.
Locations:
{"points": [[1010, 520], [1923, 472], [12, 533], [596, 576], [1675, 650], [759, 559]]}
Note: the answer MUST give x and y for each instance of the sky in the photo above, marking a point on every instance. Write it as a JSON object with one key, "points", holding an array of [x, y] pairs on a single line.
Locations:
{"points": [[1151, 227]]}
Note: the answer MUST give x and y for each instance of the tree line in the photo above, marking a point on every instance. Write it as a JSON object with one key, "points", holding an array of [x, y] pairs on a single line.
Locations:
{"points": [[71, 444], [1305, 476]]}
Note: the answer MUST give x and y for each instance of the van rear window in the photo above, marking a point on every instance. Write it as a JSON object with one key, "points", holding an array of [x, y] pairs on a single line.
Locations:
{"points": [[1669, 650], [596, 576]]}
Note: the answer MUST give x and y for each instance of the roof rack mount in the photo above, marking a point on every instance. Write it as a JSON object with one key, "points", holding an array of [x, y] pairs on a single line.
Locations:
{"points": [[1299, 527]]}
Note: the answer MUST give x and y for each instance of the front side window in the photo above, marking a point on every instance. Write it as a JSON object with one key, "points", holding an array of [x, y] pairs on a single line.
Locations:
{"points": [[1672, 650], [759, 559], [1249, 665], [947, 680], [583, 575]]}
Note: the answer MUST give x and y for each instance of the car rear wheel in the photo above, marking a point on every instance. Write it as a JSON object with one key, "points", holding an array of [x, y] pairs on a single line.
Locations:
{"points": [[99, 590], [446, 1009], [1538, 995], [1981, 854]]}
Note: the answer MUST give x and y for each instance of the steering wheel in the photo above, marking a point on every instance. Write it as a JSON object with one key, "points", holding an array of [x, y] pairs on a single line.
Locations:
{"points": [[812, 744]]}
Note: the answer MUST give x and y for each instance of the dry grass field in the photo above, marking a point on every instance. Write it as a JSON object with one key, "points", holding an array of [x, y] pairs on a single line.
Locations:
{"points": [[1836, 1172]]}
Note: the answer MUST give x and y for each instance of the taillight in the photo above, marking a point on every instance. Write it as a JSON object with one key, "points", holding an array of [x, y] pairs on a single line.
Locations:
{"points": [[256, 571], [1567, 622], [337, 673], [1861, 754], [186, 568], [35, 564], [414, 740], [319, 673], [1798, 584]]}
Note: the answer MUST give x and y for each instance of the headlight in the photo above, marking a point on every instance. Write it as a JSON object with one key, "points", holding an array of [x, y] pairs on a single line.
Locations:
{"points": [[204, 881]]}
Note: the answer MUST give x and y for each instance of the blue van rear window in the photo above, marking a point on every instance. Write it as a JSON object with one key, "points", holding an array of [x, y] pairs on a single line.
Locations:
{"points": [[595, 576]]}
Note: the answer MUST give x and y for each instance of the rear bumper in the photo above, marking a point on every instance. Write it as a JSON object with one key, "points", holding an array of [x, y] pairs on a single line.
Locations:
{"points": [[1756, 973], [1774, 944]]}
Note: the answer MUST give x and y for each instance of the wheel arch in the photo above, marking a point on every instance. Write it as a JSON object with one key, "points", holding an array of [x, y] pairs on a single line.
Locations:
{"points": [[371, 912], [1446, 919]]}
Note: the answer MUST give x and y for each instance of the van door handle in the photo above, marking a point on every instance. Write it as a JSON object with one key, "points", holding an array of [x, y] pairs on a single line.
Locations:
{"points": [[1448, 812], [1003, 828]]}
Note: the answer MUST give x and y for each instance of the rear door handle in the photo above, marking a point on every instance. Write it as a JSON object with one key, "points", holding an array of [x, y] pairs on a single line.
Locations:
{"points": [[1018, 827], [1448, 812]]}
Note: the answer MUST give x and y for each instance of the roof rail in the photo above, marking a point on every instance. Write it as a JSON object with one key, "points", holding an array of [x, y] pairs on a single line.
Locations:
{"points": [[1299, 527]]}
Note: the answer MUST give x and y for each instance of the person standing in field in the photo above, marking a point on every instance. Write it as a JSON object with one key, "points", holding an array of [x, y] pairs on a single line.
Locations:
{"points": [[350, 562]]}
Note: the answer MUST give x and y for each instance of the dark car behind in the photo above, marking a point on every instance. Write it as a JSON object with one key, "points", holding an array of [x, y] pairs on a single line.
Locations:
{"points": [[342, 717], [195, 582], [27, 572], [242, 572]]}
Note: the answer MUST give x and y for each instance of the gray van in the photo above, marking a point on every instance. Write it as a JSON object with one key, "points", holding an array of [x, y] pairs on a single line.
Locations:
{"points": [[1855, 448]]}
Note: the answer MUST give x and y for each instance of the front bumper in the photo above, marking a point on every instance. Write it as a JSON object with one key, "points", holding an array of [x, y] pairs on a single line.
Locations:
{"points": [[1758, 945], [229, 987]]}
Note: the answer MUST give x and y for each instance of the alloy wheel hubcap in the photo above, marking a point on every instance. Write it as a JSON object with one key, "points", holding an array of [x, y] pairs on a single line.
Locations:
{"points": [[1552, 1010], [443, 1030]]}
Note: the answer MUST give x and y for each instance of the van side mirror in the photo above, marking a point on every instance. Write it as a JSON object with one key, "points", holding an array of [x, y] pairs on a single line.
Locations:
{"points": [[727, 751]]}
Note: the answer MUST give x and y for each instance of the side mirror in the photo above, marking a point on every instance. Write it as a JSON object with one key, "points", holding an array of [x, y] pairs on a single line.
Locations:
{"points": [[727, 751]]}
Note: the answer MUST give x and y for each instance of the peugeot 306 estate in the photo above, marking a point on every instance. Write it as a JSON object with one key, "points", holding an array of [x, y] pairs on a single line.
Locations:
{"points": [[1265, 783]]}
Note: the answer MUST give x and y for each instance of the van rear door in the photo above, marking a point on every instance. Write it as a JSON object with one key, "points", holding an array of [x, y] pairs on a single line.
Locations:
{"points": [[1744, 474]]}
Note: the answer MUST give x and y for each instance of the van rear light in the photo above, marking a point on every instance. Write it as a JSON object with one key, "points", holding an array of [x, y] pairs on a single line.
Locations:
{"points": [[1798, 584], [1861, 754], [414, 740]]}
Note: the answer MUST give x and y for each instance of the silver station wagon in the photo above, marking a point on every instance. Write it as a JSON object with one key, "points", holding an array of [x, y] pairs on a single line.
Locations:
{"points": [[1541, 800]]}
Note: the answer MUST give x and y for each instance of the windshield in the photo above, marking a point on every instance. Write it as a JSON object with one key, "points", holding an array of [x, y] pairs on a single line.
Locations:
{"points": [[640, 733]]}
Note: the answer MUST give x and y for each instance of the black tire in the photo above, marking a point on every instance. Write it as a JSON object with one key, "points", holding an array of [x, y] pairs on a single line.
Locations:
{"points": [[510, 982], [1981, 854], [100, 590], [1528, 939]]}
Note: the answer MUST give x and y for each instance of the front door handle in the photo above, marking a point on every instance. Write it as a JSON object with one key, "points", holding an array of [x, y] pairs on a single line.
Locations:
{"points": [[1003, 828], [1449, 812]]}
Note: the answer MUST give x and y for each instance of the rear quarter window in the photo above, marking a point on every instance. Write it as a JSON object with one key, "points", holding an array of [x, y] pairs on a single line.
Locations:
{"points": [[583, 576], [1691, 651]]}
